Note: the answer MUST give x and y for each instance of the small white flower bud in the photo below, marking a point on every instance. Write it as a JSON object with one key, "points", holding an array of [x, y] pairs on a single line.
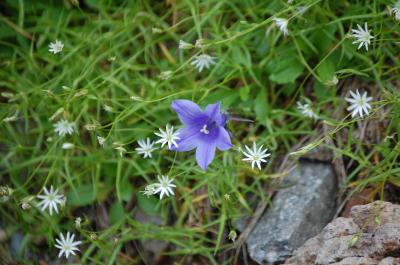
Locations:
{"points": [[183, 45]]}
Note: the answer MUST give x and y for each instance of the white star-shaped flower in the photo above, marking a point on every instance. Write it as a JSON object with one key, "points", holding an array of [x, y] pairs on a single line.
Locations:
{"points": [[146, 147], [50, 200], [56, 47], [67, 245], [203, 61], [255, 155], [63, 127], [362, 35], [282, 24], [359, 104], [395, 10], [101, 140], [306, 110], [164, 186], [168, 136]]}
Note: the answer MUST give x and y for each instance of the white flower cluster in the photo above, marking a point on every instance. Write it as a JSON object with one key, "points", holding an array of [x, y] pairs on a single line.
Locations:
{"points": [[167, 137], [363, 36], [395, 10], [64, 127], [56, 47], [164, 186], [255, 156], [67, 245], [359, 106], [51, 200], [282, 25], [202, 61], [306, 110]]}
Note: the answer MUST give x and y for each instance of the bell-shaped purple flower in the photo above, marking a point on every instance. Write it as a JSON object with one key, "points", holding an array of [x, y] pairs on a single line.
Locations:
{"points": [[204, 130]]}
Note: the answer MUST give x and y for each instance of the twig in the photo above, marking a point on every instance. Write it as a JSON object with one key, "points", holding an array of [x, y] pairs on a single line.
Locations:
{"points": [[362, 127], [244, 253], [139, 252], [249, 228], [16, 28], [338, 165]]}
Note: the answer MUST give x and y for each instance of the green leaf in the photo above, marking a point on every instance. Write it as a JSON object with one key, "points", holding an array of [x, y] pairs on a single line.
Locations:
{"points": [[323, 92], [288, 89], [240, 56], [93, 4], [326, 70], [323, 38], [103, 192], [224, 94], [354, 240], [221, 229], [148, 204], [81, 196], [352, 71], [244, 93], [285, 68], [116, 213], [261, 107], [126, 190]]}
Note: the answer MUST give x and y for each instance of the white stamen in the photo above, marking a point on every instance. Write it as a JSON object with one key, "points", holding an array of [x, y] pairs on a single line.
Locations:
{"points": [[204, 129]]}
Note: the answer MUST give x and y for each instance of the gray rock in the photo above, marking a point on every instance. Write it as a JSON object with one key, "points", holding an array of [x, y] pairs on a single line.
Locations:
{"points": [[153, 247], [3, 235], [16, 240], [370, 237], [299, 211], [356, 261], [390, 261]]}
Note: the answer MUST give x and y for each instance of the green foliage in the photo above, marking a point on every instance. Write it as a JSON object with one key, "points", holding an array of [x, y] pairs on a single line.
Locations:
{"points": [[106, 81], [285, 68], [116, 213], [82, 195], [150, 205]]}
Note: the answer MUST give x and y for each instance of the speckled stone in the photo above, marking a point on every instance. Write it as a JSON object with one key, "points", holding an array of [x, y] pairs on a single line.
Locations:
{"points": [[373, 243], [300, 209]]}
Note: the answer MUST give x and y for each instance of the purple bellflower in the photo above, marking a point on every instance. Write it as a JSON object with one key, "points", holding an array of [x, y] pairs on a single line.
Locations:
{"points": [[204, 130]]}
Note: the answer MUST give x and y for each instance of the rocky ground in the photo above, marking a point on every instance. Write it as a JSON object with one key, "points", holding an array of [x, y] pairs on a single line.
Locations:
{"points": [[298, 228], [370, 236], [303, 205]]}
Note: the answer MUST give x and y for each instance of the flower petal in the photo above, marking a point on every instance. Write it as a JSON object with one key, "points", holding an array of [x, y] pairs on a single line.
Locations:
{"points": [[224, 140], [190, 139], [189, 113], [205, 154], [213, 111]]}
